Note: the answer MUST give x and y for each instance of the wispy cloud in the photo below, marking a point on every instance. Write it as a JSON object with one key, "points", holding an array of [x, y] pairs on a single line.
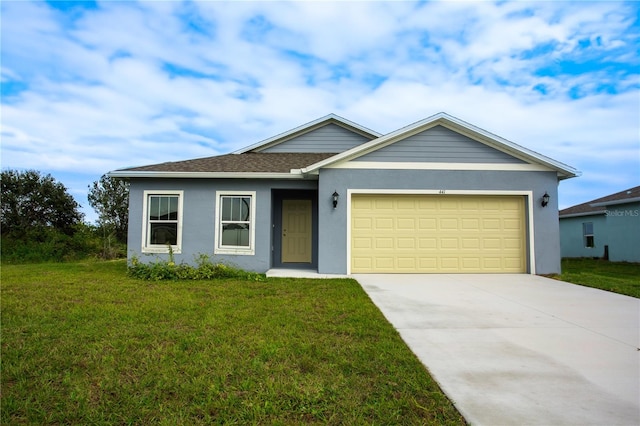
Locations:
{"points": [[88, 87]]}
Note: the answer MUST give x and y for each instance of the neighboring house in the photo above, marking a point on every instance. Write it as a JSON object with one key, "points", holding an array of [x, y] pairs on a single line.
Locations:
{"points": [[608, 227], [437, 196]]}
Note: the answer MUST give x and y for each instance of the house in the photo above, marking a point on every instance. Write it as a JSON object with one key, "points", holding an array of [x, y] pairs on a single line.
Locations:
{"points": [[437, 196], [607, 227]]}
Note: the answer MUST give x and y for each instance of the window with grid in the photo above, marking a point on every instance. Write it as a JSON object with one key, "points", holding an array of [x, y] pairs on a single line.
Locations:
{"points": [[163, 221], [235, 223]]}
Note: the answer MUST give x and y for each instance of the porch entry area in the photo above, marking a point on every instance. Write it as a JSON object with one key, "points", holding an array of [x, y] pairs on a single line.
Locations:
{"points": [[295, 229]]}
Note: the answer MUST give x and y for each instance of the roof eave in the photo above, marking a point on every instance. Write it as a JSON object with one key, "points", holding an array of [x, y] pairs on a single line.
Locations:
{"points": [[594, 213], [615, 202], [293, 174]]}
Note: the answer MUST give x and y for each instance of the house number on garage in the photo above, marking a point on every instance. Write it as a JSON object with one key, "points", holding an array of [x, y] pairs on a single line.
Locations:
{"points": [[441, 191]]}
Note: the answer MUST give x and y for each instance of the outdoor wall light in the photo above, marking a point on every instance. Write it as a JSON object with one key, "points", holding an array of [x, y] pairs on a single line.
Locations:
{"points": [[335, 199], [545, 199]]}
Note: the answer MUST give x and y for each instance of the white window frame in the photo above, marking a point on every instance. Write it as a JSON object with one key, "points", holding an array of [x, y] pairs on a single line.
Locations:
{"points": [[586, 235], [147, 247], [238, 250]]}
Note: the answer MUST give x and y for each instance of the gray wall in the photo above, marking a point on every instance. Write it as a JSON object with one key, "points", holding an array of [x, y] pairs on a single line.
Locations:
{"points": [[618, 228], [199, 211], [329, 138], [332, 245], [439, 144], [199, 217]]}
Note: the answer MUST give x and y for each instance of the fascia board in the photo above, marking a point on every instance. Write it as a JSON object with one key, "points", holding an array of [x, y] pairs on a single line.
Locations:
{"points": [[596, 213], [307, 127], [616, 202], [205, 175], [507, 146], [456, 125]]}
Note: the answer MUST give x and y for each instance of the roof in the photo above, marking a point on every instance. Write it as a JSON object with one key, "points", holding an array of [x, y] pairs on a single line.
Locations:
{"points": [[564, 171], [312, 125], [598, 205], [250, 163]]}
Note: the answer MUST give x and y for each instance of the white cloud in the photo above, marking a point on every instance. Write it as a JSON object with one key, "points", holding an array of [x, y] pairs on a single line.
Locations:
{"points": [[139, 83]]}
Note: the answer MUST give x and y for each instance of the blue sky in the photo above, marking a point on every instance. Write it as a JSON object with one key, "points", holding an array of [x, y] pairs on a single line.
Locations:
{"points": [[89, 87]]}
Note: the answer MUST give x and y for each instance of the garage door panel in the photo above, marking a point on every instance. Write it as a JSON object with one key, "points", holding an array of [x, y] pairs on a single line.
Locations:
{"points": [[427, 224], [382, 204], [406, 243], [406, 223], [428, 233], [384, 243], [427, 243], [471, 243], [448, 243], [384, 263], [362, 263], [406, 263], [384, 223], [362, 243], [362, 224]]}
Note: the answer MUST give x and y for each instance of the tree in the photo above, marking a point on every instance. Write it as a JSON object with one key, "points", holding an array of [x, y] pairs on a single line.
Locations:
{"points": [[34, 202], [109, 197]]}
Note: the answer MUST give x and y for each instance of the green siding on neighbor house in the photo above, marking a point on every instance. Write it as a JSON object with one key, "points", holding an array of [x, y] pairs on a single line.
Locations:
{"points": [[617, 227]]}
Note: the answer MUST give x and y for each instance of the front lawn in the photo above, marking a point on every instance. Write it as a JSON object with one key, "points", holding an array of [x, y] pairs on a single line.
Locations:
{"points": [[618, 277], [82, 343]]}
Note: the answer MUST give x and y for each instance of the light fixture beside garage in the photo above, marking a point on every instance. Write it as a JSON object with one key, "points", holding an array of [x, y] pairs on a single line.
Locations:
{"points": [[335, 199], [545, 199]]}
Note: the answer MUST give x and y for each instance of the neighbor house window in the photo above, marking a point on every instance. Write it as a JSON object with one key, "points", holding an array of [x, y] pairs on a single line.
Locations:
{"points": [[587, 232], [235, 222], [162, 225]]}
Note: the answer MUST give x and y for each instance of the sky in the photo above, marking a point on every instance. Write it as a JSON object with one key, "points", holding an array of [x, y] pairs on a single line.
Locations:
{"points": [[90, 87]]}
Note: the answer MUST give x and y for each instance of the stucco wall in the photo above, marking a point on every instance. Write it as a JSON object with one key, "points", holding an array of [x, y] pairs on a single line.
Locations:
{"points": [[199, 218], [333, 222], [199, 211]]}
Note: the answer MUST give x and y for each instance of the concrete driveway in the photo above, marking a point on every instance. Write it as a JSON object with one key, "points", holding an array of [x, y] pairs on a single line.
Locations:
{"points": [[520, 349]]}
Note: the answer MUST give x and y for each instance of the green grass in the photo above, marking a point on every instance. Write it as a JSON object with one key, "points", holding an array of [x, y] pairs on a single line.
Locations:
{"points": [[82, 343], [618, 277]]}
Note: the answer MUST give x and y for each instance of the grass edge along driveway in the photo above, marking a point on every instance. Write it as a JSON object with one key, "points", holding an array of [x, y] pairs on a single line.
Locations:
{"points": [[83, 343]]}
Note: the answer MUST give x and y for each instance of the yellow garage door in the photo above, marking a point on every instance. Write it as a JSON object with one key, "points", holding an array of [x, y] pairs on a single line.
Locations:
{"points": [[437, 234]]}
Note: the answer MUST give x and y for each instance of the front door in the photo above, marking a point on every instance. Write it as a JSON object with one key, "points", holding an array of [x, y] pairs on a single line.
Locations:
{"points": [[296, 231]]}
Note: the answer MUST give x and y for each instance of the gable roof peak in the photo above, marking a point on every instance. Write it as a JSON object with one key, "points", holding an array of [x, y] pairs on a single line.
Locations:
{"points": [[459, 126], [319, 122]]}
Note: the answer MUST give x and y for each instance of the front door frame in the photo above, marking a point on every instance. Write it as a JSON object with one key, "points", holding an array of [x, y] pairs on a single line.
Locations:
{"points": [[277, 196]]}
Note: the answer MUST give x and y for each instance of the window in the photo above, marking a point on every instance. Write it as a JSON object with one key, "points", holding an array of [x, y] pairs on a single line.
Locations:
{"points": [[162, 225], [587, 232], [235, 217]]}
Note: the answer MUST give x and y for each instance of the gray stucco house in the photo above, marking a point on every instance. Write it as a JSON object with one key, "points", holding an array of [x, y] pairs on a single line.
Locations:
{"points": [[607, 227], [437, 196]]}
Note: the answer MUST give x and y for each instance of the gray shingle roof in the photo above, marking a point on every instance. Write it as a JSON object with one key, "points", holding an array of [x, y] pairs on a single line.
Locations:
{"points": [[251, 162], [589, 207]]}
